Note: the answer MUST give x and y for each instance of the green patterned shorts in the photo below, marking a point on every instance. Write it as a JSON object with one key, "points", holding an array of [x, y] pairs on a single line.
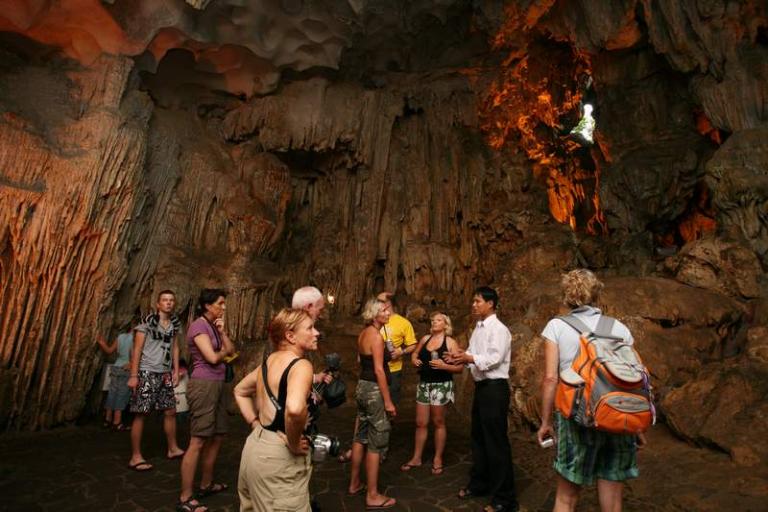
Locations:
{"points": [[585, 454], [434, 393]]}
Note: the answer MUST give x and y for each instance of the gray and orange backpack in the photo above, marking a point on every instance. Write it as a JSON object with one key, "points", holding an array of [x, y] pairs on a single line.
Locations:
{"points": [[607, 387]]}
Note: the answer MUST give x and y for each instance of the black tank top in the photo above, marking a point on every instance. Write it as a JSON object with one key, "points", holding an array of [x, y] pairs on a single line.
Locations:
{"points": [[429, 374], [366, 366], [278, 423]]}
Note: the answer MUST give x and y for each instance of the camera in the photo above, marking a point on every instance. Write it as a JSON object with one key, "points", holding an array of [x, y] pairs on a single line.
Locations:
{"points": [[335, 393], [323, 445]]}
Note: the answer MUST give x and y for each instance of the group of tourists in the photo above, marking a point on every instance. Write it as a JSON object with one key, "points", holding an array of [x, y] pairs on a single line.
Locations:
{"points": [[277, 401]]}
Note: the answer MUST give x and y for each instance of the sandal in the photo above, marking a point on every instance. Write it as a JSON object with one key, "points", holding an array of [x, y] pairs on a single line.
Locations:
{"points": [[437, 470], [191, 505], [387, 503], [465, 493], [141, 466], [358, 492], [345, 457], [176, 456], [120, 427], [212, 489], [408, 466]]}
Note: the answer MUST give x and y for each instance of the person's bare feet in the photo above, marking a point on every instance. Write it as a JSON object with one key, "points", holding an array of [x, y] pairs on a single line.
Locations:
{"points": [[379, 502], [175, 454], [345, 457], [136, 460], [413, 463], [356, 491]]}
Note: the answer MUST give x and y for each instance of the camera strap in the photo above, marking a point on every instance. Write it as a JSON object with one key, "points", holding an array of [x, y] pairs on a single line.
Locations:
{"points": [[266, 386], [283, 386]]}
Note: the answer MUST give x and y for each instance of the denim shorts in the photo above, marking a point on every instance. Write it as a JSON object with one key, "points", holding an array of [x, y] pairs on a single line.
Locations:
{"points": [[119, 393]]}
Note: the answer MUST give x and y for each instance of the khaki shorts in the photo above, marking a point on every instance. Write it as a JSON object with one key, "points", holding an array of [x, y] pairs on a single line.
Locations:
{"points": [[272, 479], [208, 401], [373, 428]]}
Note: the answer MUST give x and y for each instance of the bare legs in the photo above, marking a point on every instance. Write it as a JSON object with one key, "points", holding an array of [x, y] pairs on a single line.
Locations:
{"points": [[609, 493], [567, 495], [189, 465], [372, 461], [137, 429], [420, 437], [423, 415], [169, 425], [441, 434], [206, 448], [210, 453], [358, 452]]}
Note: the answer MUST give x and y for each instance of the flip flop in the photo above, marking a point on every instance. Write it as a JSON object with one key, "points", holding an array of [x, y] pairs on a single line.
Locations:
{"points": [[408, 466], [177, 456], [136, 467], [437, 470], [214, 488], [191, 505], [383, 505], [358, 492]]}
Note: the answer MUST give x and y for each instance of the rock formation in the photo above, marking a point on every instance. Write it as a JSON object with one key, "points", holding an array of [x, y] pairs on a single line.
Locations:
{"points": [[417, 146]]}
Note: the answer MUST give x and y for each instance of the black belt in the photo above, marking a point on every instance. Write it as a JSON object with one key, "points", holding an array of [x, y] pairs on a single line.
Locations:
{"points": [[488, 382]]}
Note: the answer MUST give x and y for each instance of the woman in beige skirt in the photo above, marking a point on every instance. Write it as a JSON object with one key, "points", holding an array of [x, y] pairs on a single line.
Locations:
{"points": [[276, 466]]}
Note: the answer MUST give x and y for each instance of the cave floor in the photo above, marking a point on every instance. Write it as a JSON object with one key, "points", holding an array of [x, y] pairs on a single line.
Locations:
{"points": [[85, 468]]}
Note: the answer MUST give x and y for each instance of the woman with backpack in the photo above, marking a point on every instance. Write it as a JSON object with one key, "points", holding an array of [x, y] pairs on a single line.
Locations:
{"points": [[435, 389], [584, 453]]}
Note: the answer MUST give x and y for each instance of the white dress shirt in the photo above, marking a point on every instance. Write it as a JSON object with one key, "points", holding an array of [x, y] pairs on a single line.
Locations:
{"points": [[491, 348]]}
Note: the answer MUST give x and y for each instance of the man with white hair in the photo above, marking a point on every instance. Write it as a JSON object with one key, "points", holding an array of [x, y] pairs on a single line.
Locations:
{"points": [[311, 300]]}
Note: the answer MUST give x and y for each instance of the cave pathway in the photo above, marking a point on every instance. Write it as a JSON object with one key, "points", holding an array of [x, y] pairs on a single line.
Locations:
{"points": [[84, 468]]}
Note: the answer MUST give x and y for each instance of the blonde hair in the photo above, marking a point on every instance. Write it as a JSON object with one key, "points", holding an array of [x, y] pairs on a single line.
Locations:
{"points": [[580, 287], [372, 309], [287, 319], [446, 318]]}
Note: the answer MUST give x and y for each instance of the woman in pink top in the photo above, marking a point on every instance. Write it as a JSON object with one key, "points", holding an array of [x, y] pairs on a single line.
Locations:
{"points": [[207, 396]]}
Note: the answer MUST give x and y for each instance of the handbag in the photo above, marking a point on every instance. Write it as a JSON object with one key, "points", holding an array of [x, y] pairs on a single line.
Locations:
{"points": [[229, 372]]}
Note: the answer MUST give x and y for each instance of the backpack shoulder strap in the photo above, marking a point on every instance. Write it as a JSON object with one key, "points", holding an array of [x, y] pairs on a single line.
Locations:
{"points": [[576, 324], [604, 328]]}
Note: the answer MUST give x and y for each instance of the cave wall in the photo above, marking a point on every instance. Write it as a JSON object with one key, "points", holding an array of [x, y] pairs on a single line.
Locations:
{"points": [[70, 186], [369, 145]]}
